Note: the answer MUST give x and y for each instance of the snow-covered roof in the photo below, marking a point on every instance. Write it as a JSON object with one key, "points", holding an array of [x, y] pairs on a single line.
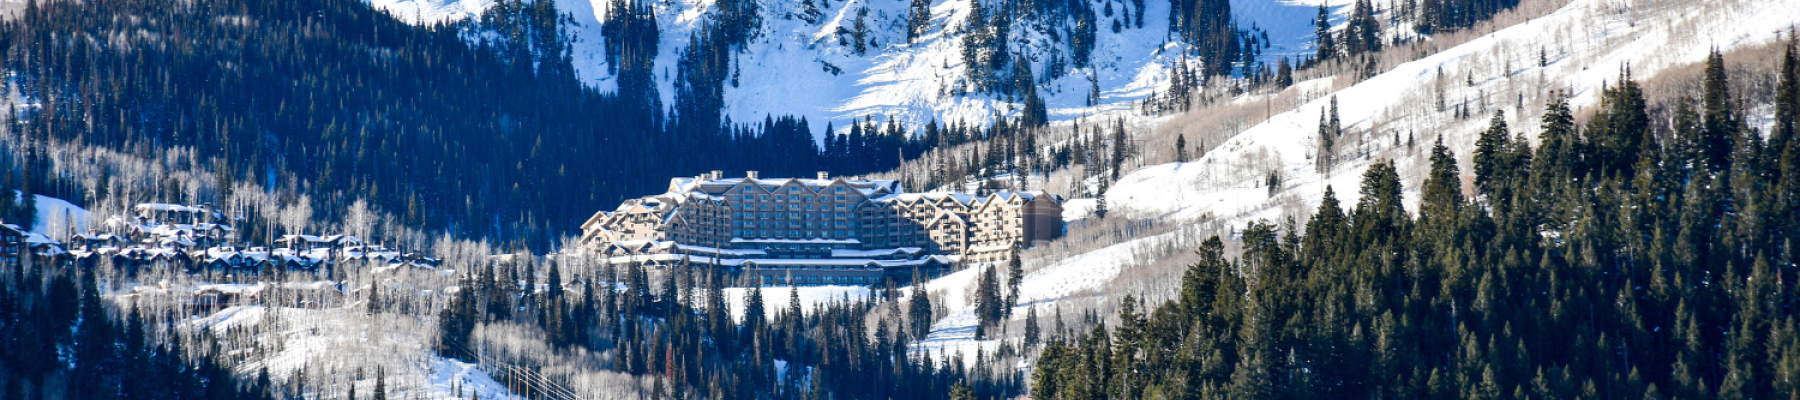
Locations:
{"points": [[851, 253], [168, 207]]}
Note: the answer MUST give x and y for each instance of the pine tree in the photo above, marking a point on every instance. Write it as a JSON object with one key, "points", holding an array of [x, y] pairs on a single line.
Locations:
{"points": [[1180, 148], [380, 385], [988, 301], [1719, 116], [1284, 73], [1441, 203], [374, 305], [860, 32], [1490, 149], [1118, 148], [1329, 130], [918, 20], [919, 308], [1015, 274], [1322, 37], [1032, 331], [1362, 34], [28, 210], [1787, 98], [1620, 129]]}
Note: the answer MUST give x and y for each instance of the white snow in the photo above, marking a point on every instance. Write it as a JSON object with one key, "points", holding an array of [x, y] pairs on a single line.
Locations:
{"points": [[784, 70], [1588, 42], [56, 218], [422, 12], [776, 298], [1078, 209], [338, 339]]}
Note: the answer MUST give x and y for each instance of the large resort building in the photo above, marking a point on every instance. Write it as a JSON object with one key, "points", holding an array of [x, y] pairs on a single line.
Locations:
{"points": [[819, 231]]}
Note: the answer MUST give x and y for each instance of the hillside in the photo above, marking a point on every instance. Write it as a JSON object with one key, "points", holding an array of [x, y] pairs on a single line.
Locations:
{"points": [[1586, 45], [795, 67]]}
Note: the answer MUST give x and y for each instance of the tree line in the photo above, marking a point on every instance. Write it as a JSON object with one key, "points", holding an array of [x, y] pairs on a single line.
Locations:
{"points": [[1628, 257]]}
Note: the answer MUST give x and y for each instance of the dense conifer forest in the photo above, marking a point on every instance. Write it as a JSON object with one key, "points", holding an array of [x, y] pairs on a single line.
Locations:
{"points": [[60, 338], [1633, 257], [477, 127]]}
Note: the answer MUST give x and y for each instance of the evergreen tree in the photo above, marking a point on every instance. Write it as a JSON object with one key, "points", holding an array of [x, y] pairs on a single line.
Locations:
{"points": [[1118, 148], [1322, 38], [1719, 117], [1284, 73], [1620, 129], [28, 210], [375, 304], [1362, 34], [919, 308], [1181, 148], [380, 385], [1032, 331], [860, 32], [1787, 98], [918, 20], [1015, 274], [1490, 150]]}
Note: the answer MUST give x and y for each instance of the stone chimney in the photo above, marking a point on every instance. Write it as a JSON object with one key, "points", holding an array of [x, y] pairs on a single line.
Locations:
{"points": [[824, 175], [715, 175], [750, 174]]}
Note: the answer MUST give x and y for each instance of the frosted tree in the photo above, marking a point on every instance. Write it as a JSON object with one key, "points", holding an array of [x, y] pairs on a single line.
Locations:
{"points": [[358, 220], [296, 217]]}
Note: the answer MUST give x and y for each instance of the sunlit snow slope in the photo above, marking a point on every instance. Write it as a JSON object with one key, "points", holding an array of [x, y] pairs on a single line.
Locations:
{"points": [[786, 70]]}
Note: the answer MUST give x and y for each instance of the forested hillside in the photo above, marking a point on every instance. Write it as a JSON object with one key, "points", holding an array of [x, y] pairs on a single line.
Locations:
{"points": [[1628, 258], [478, 128], [58, 339]]}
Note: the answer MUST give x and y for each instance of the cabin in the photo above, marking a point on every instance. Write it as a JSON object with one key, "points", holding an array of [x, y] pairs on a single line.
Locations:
{"points": [[12, 245]]}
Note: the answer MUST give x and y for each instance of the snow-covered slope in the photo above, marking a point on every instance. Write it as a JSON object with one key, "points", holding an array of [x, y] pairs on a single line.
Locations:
{"points": [[339, 348], [56, 217], [793, 67], [1587, 43]]}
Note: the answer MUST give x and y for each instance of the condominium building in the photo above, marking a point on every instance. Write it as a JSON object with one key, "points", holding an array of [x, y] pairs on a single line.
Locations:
{"points": [[821, 230]]}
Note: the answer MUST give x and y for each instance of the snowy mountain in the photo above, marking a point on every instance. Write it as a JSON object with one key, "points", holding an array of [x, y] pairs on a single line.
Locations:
{"points": [[795, 67]]}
